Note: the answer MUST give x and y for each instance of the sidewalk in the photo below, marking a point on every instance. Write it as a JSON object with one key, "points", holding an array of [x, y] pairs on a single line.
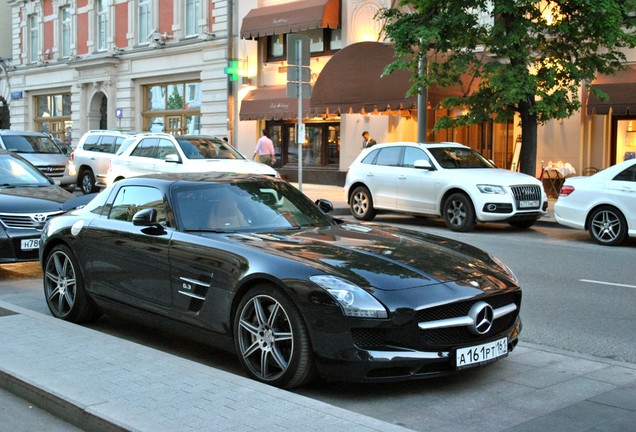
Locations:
{"points": [[335, 194], [99, 382]]}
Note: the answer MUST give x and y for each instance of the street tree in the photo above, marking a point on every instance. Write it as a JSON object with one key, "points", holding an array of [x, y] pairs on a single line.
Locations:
{"points": [[522, 56]]}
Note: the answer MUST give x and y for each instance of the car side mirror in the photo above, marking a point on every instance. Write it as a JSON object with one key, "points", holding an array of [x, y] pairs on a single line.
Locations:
{"points": [[325, 206], [423, 164], [173, 158], [147, 218]]}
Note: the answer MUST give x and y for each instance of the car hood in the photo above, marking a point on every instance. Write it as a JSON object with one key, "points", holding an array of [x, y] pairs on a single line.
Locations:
{"points": [[240, 166], [383, 258], [33, 199], [42, 159], [491, 176]]}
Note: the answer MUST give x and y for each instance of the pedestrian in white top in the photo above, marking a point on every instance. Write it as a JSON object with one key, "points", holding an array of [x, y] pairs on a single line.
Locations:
{"points": [[264, 149]]}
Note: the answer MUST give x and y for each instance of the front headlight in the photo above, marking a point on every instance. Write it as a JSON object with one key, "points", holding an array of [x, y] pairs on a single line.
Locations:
{"points": [[505, 268], [354, 301], [491, 189]]}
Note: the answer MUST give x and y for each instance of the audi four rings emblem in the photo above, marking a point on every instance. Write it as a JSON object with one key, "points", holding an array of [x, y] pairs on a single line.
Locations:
{"points": [[482, 315], [39, 217]]}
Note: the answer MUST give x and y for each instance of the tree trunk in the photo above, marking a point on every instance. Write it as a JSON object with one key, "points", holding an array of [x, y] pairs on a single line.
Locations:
{"points": [[529, 127]]}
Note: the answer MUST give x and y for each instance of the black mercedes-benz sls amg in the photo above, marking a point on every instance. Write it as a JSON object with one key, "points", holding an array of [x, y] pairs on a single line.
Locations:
{"points": [[251, 264]]}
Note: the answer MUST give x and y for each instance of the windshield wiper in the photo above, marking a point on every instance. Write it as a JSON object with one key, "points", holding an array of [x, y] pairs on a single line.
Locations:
{"points": [[210, 230], [7, 186]]}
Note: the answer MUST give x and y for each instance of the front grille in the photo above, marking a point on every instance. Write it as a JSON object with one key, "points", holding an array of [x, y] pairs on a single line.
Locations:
{"points": [[527, 193], [447, 337], [26, 220], [53, 170], [442, 339]]}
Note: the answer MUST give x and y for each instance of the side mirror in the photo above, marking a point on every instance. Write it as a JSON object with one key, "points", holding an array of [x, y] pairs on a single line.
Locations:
{"points": [[147, 218], [173, 158], [325, 206], [423, 164]]}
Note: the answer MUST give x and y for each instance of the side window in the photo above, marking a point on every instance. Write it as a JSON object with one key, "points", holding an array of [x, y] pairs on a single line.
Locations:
{"points": [[146, 148], [90, 144], [106, 144], [165, 148], [628, 174], [390, 156], [118, 143], [370, 158], [131, 199], [412, 154]]}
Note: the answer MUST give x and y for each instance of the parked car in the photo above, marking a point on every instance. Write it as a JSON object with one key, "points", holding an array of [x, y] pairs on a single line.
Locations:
{"points": [[39, 149], [251, 264], [441, 179], [603, 204], [92, 157], [28, 199], [164, 153]]}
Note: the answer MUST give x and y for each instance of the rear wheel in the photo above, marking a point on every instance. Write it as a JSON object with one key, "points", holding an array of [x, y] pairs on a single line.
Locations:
{"points": [[87, 182], [271, 339], [608, 226], [64, 287], [361, 204], [459, 214]]}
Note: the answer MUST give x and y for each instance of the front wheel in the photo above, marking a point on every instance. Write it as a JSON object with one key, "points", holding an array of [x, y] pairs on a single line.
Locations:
{"points": [[608, 226], [361, 204], [271, 339], [459, 214], [64, 287]]}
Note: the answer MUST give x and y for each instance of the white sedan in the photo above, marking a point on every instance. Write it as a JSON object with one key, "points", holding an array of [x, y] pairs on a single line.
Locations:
{"points": [[442, 179], [603, 204], [153, 153]]}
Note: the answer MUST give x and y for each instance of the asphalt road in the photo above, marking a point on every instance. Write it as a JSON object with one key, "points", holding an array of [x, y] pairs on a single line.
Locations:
{"points": [[578, 296]]}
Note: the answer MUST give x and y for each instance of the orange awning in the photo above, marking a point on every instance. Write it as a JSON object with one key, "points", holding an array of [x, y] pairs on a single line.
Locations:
{"points": [[291, 17]]}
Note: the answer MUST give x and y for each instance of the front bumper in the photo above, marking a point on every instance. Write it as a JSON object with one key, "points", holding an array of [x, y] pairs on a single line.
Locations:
{"points": [[11, 250]]}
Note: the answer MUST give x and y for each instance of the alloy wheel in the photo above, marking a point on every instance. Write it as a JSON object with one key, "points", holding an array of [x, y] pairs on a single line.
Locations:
{"points": [[607, 227], [60, 284], [265, 338]]}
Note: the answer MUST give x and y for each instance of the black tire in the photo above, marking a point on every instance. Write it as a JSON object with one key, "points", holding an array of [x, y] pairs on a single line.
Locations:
{"points": [[361, 204], [608, 226], [459, 214], [87, 182], [522, 224], [271, 339], [64, 287]]}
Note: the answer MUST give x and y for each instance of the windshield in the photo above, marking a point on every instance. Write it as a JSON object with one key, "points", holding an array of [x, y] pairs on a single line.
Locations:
{"points": [[15, 172], [206, 148], [249, 206], [459, 157], [30, 144]]}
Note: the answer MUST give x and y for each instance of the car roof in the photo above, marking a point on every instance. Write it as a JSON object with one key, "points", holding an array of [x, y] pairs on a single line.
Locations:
{"points": [[418, 144]]}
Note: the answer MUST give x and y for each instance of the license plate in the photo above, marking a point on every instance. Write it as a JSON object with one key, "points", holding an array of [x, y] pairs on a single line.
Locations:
{"points": [[528, 204], [479, 354], [29, 244]]}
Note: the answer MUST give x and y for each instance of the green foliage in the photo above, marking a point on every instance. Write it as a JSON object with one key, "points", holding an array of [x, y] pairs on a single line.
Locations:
{"points": [[175, 101], [526, 59]]}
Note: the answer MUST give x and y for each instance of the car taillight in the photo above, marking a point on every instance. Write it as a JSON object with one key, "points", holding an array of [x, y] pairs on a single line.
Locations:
{"points": [[72, 156], [566, 190]]}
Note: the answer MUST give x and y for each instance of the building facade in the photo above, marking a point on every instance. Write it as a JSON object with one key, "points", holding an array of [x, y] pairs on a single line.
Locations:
{"points": [[222, 68], [109, 64]]}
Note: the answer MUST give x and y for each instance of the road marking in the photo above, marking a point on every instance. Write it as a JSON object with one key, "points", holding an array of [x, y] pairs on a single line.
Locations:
{"points": [[607, 283]]}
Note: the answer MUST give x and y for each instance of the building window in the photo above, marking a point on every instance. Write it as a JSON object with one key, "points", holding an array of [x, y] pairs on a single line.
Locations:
{"points": [[145, 21], [65, 32], [192, 14], [34, 38], [102, 25], [322, 42], [173, 108], [53, 115]]}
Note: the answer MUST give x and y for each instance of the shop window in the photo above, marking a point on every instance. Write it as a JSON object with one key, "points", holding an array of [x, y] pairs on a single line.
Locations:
{"points": [[321, 146], [173, 108]]}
